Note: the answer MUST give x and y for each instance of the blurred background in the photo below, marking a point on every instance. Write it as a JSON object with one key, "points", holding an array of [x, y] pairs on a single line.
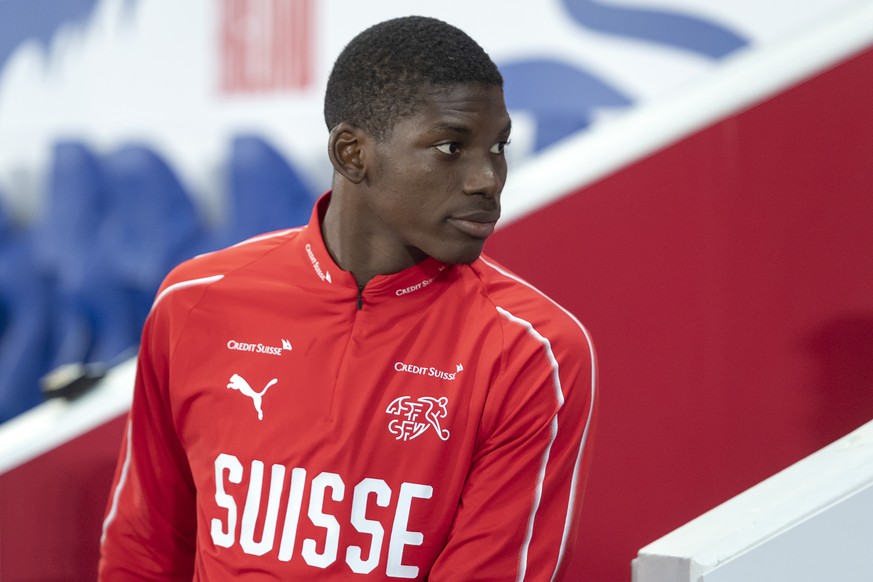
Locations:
{"points": [[691, 178]]}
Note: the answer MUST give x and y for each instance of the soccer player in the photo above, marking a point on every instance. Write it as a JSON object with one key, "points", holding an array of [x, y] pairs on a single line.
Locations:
{"points": [[368, 396]]}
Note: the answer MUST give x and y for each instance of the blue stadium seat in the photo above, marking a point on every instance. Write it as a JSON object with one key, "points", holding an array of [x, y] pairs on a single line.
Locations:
{"points": [[91, 319], [24, 302], [152, 224], [74, 210], [265, 192], [5, 243]]}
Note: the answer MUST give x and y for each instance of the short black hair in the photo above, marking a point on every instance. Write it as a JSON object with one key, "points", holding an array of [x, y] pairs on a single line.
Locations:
{"points": [[379, 76]]}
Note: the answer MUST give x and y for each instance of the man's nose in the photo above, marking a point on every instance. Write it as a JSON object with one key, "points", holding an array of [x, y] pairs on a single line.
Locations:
{"points": [[485, 177]]}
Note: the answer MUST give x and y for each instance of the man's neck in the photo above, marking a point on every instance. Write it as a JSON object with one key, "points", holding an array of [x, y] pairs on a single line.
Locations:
{"points": [[355, 246]]}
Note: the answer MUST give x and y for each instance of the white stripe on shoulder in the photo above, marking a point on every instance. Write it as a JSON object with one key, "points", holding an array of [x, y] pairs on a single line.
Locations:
{"points": [[268, 236], [544, 462], [184, 284], [506, 273], [574, 484], [255, 239]]}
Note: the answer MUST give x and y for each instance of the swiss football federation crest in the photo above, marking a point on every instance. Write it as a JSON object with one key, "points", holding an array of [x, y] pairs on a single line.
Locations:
{"points": [[416, 416]]}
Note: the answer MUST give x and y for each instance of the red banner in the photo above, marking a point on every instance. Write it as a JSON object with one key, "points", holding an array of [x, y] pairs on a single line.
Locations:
{"points": [[266, 45]]}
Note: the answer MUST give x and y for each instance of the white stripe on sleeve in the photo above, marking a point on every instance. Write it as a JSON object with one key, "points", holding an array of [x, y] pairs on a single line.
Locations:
{"points": [[553, 432], [574, 484]]}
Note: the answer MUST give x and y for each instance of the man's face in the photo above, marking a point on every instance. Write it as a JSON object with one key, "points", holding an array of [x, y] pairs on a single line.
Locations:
{"points": [[435, 181]]}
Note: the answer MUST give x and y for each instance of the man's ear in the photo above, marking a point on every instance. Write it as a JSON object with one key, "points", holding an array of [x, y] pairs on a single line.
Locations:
{"points": [[346, 150]]}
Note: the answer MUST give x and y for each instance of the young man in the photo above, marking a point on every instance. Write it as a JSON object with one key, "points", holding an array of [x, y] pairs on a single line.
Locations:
{"points": [[365, 397]]}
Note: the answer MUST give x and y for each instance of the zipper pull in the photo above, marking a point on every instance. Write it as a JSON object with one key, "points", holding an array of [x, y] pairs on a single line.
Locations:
{"points": [[360, 297]]}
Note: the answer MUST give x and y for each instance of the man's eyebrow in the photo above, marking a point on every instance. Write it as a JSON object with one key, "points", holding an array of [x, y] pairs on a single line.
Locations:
{"points": [[466, 130], [453, 128]]}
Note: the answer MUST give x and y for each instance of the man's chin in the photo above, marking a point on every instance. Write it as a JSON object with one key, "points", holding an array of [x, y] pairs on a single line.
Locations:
{"points": [[463, 258]]}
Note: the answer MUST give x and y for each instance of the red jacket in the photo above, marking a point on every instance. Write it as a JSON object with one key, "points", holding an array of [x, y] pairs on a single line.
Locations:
{"points": [[287, 425]]}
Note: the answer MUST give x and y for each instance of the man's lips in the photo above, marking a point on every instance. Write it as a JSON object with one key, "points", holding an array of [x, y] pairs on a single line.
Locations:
{"points": [[477, 225]]}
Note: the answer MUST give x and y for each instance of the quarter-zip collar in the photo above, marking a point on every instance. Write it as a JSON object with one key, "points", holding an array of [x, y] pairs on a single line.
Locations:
{"points": [[414, 282]]}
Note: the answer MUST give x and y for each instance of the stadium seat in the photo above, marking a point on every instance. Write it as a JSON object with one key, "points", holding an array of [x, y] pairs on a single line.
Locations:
{"points": [[24, 303], [75, 207], [5, 243], [265, 192], [91, 319], [152, 224], [65, 247]]}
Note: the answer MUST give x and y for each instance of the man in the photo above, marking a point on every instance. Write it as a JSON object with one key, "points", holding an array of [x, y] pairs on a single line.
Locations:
{"points": [[365, 397]]}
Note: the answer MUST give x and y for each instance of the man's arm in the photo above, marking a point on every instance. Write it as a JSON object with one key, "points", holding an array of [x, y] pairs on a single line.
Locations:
{"points": [[150, 525], [519, 508]]}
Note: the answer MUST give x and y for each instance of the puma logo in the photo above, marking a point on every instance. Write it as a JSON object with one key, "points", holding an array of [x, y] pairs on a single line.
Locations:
{"points": [[237, 382]]}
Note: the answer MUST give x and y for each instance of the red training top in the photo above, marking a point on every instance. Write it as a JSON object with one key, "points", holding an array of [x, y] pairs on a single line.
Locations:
{"points": [[287, 425]]}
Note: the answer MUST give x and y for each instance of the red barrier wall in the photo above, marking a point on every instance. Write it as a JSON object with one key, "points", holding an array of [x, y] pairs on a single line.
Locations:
{"points": [[727, 281], [51, 509]]}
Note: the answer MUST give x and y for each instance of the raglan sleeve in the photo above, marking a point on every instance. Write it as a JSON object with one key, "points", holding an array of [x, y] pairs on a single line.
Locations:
{"points": [[519, 509], [150, 523]]}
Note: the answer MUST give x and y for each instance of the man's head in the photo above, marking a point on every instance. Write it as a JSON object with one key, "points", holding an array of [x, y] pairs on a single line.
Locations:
{"points": [[379, 77], [418, 128]]}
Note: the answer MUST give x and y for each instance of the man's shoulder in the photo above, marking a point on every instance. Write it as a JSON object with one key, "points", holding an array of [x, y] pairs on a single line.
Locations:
{"points": [[521, 302], [217, 265]]}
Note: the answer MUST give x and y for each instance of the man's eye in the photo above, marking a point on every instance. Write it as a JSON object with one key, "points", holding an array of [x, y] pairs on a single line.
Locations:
{"points": [[448, 148], [499, 147]]}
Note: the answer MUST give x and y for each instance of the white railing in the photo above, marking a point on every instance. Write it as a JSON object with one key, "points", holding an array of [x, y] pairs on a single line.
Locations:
{"points": [[812, 522], [57, 421]]}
